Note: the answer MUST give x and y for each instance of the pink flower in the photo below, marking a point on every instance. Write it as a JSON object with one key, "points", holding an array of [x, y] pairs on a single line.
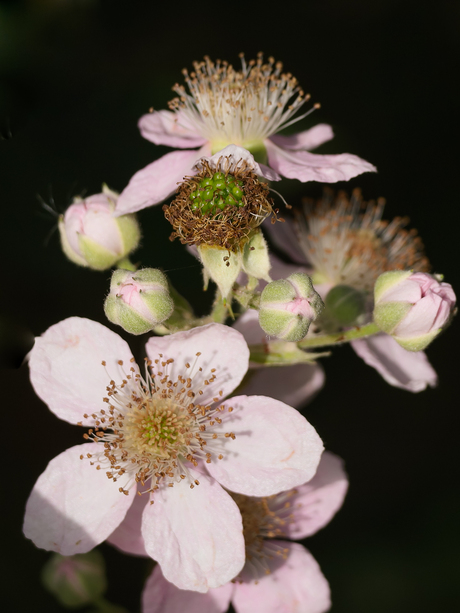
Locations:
{"points": [[169, 433], [278, 575], [412, 307], [336, 244], [246, 108]]}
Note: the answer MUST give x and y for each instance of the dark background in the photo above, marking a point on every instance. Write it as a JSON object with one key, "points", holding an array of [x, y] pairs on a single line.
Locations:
{"points": [[75, 78]]}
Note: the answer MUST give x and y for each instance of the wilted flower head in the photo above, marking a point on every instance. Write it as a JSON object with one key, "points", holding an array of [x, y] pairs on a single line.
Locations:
{"points": [[223, 203], [168, 432], [92, 236], [346, 242]]}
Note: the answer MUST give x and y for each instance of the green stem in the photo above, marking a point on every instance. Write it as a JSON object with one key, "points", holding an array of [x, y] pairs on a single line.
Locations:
{"points": [[104, 606], [324, 340], [220, 310], [126, 264]]}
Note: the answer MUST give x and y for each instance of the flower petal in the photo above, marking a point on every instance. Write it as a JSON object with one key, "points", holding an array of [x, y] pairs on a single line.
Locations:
{"points": [[220, 348], [306, 166], [161, 596], [284, 236], [296, 586], [73, 507], [233, 156], [158, 180], [275, 448], [171, 129], [408, 370], [66, 370], [294, 385], [128, 535], [316, 502], [309, 139], [195, 535]]}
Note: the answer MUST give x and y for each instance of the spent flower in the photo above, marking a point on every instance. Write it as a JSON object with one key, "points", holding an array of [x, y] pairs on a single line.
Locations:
{"points": [[92, 236], [169, 434], [246, 107]]}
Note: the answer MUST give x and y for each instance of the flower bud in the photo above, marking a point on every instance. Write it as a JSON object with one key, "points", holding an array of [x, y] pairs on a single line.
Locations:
{"points": [[344, 304], [75, 580], [288, 306], [138, 301], [412, 307], [91, 236]]}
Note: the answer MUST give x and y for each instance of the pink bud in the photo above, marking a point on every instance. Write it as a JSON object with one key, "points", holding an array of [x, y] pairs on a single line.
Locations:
{"points": [[412, 307], [92, 236]]}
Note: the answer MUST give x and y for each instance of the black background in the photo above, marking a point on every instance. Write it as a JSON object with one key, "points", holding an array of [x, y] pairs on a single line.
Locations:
{"points": [[75, 78]]}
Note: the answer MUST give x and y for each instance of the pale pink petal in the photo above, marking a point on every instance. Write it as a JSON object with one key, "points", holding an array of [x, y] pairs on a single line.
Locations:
{"points": [[66, 370], [316, 502], [158, 180], [294, 385], [161, 596], [284, 236], [220, 347], [171, 129], [408, 370], [196, 535], [295, 586], [275, 448], [73, 507], [128, 535], [234, 156], [306, 166], [309, 139], [248, 325]]}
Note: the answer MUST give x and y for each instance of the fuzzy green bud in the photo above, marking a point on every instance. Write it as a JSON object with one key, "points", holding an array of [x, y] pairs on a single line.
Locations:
{"points": [[344, 304], [75, 580], [288, 306], [138, 301]]}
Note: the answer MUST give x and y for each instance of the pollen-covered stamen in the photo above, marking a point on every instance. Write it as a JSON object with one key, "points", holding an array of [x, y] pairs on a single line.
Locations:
{"points": [[238, 106], [154, 427], [220, 206], [264, 519], [347, 242]]}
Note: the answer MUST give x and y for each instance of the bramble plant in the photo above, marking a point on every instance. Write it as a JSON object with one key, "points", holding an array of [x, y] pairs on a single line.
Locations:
{"points": [[172, 468]]}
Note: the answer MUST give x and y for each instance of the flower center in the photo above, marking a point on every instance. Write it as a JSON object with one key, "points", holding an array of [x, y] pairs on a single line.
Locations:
{"points": [[153, 428], [220, 206], [264, 519], [240, 107], [348, 243]]}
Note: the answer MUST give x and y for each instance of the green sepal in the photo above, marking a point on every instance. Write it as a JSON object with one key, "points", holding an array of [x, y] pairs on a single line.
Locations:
{"points": [[388, 315]]}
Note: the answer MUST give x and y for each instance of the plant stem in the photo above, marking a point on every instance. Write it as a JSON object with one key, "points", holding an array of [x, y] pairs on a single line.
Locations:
{"points": [[126, 264], [324, 340]]}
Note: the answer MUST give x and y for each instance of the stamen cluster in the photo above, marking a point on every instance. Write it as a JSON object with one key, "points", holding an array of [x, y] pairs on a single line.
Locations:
{"points": [[154, 426], [238, 106], [347, 242]]}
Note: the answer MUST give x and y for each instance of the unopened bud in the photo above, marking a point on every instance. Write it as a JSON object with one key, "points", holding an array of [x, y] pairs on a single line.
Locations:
{"points": [[91, 236], [412, 307], [138, 301], [344, 304], [75, 580], [288, 306]]}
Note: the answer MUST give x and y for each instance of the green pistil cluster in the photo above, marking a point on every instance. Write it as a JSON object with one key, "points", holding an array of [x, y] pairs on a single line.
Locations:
{"points": [[217, 193], [159, 429]]}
